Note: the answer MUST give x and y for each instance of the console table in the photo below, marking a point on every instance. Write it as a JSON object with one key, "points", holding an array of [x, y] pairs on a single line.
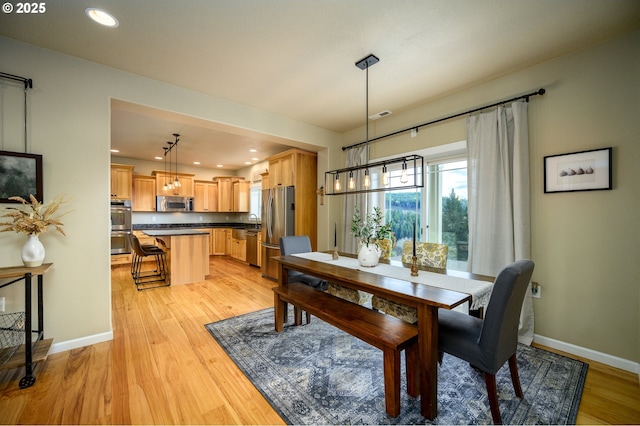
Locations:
{"points": [[33, 351]]}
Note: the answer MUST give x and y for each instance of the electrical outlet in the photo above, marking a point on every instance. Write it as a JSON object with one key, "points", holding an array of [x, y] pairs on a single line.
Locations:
{"points": [[536, 289], [2, 304]]}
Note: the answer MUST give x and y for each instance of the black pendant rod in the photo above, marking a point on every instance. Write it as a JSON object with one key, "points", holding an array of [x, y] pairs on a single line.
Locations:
{"points": [[537, 92]]}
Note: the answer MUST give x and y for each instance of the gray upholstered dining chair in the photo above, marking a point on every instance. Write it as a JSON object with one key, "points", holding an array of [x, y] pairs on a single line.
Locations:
{"points": [[301, 244], [488, 343]]}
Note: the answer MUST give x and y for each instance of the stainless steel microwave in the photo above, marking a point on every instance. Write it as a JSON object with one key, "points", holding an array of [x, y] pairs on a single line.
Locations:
{"points": [[172, 203]]}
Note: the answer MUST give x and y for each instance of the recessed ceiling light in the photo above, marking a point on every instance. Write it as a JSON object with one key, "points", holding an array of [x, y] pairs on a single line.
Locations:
{"points": [[158, 158], [220, 165], [197, 163], [115, 150], [253, 150], [255, 159], [102, 17], [247, 162]]}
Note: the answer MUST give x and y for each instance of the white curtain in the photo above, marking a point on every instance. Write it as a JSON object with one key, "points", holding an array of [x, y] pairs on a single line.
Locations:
{"points": [[499, 202], [355, 157]]}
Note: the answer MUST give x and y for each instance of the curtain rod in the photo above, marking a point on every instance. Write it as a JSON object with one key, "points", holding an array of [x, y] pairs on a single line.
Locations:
{"points": [[537, 92], [28, 83]]}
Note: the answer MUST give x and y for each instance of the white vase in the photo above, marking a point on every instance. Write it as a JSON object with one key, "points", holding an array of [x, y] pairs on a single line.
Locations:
{"points": [[33, 252], [369, 254]]}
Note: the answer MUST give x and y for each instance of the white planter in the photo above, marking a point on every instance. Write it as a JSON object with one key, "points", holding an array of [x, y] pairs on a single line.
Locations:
{"points": [[369, 254], [32, 252]]}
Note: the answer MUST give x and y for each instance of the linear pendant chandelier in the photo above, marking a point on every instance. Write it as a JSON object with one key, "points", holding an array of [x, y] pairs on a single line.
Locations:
{"points": [[167, 150], [388, 175]]}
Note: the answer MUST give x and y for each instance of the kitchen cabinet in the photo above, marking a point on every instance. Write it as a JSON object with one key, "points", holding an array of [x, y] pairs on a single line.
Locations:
{"points": [[186, 183], [233, 194], [144, 194], [120, 259], [281, 169], [238, 249], [225, 193], [219, 237], [121, 184], [241, 196], [205, 196]]}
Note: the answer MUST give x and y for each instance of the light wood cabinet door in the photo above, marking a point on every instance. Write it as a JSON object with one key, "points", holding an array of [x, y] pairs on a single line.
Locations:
{"points": [[144, 194], [121, 181], [225, 195], [282, 171], [205, 196], [219, 241], [238, 249], [241, 196]]}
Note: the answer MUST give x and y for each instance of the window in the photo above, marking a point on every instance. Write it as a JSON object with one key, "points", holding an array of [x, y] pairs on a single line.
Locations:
{"points": [[439, 209], [255, 201]]}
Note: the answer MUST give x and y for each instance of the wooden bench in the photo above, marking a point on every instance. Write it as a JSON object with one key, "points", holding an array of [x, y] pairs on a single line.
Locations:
{"points": [[385, 332]]}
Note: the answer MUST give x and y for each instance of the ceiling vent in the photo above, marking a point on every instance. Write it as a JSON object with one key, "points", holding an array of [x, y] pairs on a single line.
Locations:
{"points": [[380, 115]]}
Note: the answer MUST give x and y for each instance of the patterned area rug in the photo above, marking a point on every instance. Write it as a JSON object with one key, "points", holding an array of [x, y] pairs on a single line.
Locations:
{"points": [[317, 374]]}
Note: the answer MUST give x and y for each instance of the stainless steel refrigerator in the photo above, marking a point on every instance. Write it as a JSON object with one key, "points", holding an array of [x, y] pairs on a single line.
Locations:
{"points": [[278, 206]]}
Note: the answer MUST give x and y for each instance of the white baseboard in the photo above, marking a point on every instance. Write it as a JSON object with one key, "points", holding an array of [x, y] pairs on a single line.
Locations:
{"points": [[613, 361], [79, 343]]}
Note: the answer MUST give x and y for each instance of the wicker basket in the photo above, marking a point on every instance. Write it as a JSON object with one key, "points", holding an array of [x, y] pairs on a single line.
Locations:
{"points": [[11, 334]]}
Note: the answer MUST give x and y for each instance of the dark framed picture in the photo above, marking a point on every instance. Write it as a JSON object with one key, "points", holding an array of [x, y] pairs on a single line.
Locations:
{"points": [[578, 171], [21, 175]]}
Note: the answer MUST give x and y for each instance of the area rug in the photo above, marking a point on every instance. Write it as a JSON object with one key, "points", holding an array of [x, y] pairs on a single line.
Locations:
{"points": [[317, 374]]}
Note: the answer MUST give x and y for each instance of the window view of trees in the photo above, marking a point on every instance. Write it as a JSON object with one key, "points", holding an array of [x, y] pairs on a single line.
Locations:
{"points": [[450, 210]]}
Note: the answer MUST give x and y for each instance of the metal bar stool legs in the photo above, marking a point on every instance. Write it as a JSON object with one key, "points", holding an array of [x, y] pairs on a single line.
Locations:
{"points": [[148, 278]]}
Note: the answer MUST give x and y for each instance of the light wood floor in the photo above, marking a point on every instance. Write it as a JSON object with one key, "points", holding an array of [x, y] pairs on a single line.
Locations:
{"points": [[163, 367]]}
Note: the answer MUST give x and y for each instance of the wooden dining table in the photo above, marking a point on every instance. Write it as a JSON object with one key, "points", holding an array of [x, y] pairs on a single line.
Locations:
{"points": [[426, 299]]}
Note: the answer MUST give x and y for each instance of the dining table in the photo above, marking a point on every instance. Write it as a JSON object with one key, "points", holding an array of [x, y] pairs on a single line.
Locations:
{"points": [[428, 292]]}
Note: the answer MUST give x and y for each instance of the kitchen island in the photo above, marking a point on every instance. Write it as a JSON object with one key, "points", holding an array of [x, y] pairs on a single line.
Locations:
{"points": [[187, 253]]}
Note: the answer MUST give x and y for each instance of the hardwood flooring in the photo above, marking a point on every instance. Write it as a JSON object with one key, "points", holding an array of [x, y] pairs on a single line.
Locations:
{"points": [[163, 367]]}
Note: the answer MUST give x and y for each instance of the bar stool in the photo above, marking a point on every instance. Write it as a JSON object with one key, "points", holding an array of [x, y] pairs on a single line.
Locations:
{"points": [[159, 277]]}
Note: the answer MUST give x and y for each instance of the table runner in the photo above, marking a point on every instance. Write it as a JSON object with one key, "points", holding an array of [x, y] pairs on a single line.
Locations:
{"points": [[480, 291]]}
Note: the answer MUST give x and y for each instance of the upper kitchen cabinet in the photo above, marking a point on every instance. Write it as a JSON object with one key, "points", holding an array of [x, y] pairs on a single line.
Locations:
{"points": [[281, 169], [186, 183], [233, 194], [144, 194], [205, 196], [121, 181], [241, 196]]}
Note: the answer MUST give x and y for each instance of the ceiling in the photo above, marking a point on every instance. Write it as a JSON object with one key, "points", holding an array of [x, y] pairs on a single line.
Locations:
{"points": [[295, 58]]}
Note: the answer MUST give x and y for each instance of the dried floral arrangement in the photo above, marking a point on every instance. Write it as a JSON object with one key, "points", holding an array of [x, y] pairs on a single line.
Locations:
{"points": [[33, 217]]}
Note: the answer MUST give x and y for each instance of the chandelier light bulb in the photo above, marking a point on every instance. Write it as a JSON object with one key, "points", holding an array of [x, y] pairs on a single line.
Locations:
{"points": [[337, 185], [367, 180], [385, 176], [176, 183], [404, 178], [352, 183]]}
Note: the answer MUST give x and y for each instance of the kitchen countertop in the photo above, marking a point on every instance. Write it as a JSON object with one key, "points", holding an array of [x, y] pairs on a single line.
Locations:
{"points": [[173, 232], [172, 226]]}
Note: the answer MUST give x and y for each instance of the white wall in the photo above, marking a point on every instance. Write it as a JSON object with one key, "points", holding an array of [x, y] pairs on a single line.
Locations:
{"points": [[586, 245], [69, 125]]}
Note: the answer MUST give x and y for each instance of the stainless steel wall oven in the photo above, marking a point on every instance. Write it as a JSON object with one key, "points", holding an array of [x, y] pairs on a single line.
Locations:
{"points": [[120, 226]]}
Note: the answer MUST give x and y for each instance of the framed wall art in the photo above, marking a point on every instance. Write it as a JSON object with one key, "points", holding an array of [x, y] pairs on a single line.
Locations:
{"points": [[21, 175], [578, 171]]}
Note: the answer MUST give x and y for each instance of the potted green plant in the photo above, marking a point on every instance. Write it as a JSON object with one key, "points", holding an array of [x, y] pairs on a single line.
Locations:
{"points": [[33, 219], [371, 231]]}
